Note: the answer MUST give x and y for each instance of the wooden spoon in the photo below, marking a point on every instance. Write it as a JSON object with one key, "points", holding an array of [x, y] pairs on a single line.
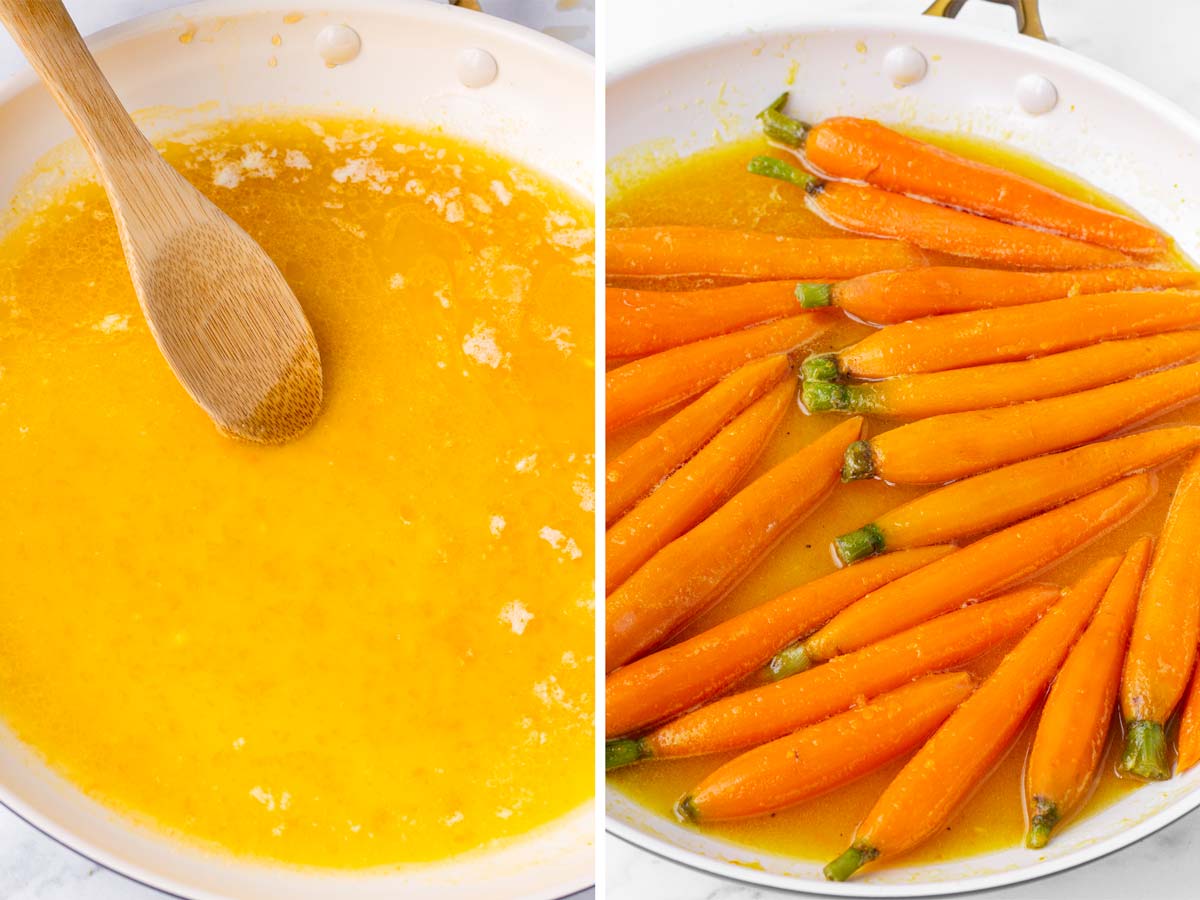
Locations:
{"points": [[228, 324]]}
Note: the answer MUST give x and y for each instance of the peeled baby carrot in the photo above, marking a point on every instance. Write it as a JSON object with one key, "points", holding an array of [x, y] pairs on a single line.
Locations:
{"points": [[942, 448], [1002, 384], [694, 571], [829, 754], [641, 322], [634, 473], [653, 383], [1162, 649], [1189, 728], [674, 250], [1073, 730], [886, 298], [765, 713], [882, 214], [864, 150], [961, 753], [991, 563], [694, 490], [676, 678], [988, 501], [1001, 335]]}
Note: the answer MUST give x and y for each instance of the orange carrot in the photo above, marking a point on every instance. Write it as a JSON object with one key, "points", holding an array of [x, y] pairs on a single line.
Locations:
{"points": [[695, 490], [989, 564], [942, 448], [1162, 649], [988, 501], [882, 214], [817, 759], [653, 383], [886, 298], [1002, 384], [1189, 728], [635, 472], [675, 250], [694, 571], [956, 341], [676, 678], [1073, 731], [765, 713]]}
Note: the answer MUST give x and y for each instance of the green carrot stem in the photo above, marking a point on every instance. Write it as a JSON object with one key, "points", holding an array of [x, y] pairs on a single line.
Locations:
{"points": [[686, 808], [781, 127], [823, 396], [773, 167], [859, 544], [858, 462], [821, 367], [850, 862], [813, 295], [1146, 751], [1044, 819], [623, 752], [788, 661]]}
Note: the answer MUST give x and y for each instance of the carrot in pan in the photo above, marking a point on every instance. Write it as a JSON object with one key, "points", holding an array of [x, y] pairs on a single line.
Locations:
{"points": [[694, 490], [827, 755], [960, 754], [1189, 728], [653, 383], [942, 448], [985, 502], [694, 571], [765, 713], [864, 150], [990, 564], [662, 250], [882, 214], [1073, 731], [1012, 333], [886, 298], [1002, 384], [1162, 649], [677, 678], [634, 473]]}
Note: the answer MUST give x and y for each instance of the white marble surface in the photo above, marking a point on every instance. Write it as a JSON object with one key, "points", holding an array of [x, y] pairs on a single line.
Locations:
{"points": [[1157, 47]]}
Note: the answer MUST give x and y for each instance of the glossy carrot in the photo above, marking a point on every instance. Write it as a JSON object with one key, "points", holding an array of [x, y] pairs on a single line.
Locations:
{"points": [[991, 563], [827, 755], [678, 677], [653, 383], [1189, 728], [640, 322], [1002, 384], [1072, 732], [942, 448], [694, 571], [886, 298], [1002, 496], [675, 250], [765, 713], [882, 214], [1012, 333], [635, 472], [962, 752], [1162, 649], [694, 490]]}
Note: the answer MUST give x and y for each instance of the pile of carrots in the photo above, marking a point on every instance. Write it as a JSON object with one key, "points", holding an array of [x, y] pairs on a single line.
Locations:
{"points": [[1014, 387]]}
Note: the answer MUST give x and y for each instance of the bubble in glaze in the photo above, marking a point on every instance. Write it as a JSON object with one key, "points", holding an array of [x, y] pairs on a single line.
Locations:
{"points": [[1036, 94], [476, 67], [905, 65], [338, 44]]}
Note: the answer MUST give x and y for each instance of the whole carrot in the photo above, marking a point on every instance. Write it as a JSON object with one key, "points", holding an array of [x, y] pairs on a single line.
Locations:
{"points": [[942, 448], [1189, 728], [886, 298], [1002, 384], [1162, 649], [978, 338], [694, 490], [634, 473], [640, 322], [765, 713], [827, 755], [653, 383], [1073, 730], [988, 501], [961, 753], [991, 563], [678, 677], [673, 250], [883, 214], [694, 571]]}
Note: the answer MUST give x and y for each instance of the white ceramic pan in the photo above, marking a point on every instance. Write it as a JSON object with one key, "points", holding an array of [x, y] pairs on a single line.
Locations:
{"points": [[1104, 128], [538, 109]]}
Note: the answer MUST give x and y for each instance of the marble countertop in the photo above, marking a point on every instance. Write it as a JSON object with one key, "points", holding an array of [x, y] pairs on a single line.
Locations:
{"points": [[1159, 51]]}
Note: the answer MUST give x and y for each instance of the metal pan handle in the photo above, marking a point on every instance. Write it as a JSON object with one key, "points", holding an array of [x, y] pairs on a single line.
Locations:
{"points": [[1029, 20]]}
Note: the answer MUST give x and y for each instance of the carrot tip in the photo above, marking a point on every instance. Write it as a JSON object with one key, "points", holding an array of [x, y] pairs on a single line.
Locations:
{"points": [[813, 295], [849, 863], [686, 807], [1145, 751], [623, 752], [856, 545], [788, 661], [1042, 823], [859, 462], [821, 367]]}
